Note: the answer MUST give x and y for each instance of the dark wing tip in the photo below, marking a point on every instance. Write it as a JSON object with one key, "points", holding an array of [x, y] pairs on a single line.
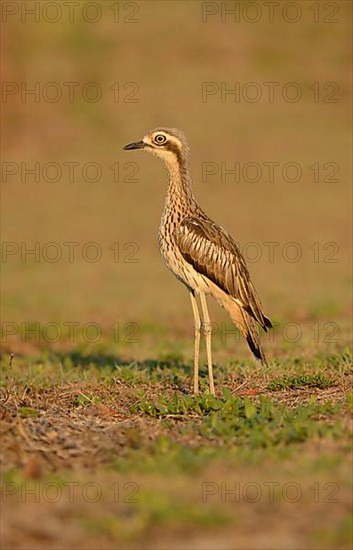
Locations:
{"points": [[268, 323], [260, 317], [256, 349], [253, 346]]}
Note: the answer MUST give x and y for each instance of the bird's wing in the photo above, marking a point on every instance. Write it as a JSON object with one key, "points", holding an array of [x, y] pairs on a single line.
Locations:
{"points": [[213, 253]]}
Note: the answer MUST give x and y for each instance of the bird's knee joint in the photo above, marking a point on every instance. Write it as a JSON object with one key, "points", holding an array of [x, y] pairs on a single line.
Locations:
{"points": [[207, 328]]}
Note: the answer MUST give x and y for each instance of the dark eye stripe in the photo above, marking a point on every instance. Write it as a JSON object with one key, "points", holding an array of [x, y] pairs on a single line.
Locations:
{"points": [[173, 148]]}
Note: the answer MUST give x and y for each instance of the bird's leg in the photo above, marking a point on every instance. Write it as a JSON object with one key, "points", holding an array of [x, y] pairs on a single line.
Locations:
{"points": [[208, 334], [197, 322]]}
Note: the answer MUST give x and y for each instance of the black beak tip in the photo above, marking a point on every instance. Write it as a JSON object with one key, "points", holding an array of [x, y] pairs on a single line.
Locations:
{"points": [[135, 145]]}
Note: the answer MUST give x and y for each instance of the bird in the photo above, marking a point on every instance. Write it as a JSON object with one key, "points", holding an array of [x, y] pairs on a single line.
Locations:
{"points": [[201, 254]]}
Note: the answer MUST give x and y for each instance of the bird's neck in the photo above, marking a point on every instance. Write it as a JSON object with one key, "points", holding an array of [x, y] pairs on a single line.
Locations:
{"points": [[180, 184]]}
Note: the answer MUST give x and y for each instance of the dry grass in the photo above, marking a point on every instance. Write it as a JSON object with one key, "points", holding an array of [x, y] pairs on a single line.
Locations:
{"points": [[159, 462]]}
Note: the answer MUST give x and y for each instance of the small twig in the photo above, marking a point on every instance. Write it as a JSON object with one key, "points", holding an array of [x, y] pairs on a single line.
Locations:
{"points": [[239, 387], [24, 393], [6, 397]]}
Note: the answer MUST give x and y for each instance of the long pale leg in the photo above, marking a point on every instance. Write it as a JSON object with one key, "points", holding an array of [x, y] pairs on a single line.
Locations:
{"points": [[197, 322], [208, 334]]}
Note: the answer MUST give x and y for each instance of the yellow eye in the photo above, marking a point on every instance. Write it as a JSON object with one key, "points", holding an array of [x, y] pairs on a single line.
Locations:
{"points": [[160, 139]]}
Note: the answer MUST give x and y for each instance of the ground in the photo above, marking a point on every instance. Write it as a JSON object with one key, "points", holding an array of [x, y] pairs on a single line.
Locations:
{"points": [[273, 448]]}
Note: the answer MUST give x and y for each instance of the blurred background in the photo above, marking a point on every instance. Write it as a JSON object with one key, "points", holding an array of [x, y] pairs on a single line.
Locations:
{"points": [[80, 84]]}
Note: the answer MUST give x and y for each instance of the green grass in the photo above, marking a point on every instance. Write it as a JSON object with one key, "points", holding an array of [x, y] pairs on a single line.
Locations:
{"points": [[302, 381], [151, 449]]}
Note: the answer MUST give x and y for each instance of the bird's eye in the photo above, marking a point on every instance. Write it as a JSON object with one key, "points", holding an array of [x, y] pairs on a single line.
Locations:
{"points": [[160, 139]]}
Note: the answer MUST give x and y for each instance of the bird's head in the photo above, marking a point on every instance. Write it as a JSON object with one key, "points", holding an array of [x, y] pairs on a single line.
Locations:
{"points": [[167, 143]]}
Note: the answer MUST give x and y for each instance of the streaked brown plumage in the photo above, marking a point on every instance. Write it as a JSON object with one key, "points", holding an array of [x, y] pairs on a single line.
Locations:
{"points": [[200, 253]]}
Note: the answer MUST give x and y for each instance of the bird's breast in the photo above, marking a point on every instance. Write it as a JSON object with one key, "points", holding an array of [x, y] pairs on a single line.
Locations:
{"points": [[172, 256], [167, 242]]}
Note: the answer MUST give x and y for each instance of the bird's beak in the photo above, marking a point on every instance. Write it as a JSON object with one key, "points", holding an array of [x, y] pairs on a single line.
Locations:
{"points": [[135, 145]]}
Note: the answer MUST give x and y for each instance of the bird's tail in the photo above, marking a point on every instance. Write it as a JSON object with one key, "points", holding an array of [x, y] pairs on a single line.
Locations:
{"points": [[248, 328]]}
